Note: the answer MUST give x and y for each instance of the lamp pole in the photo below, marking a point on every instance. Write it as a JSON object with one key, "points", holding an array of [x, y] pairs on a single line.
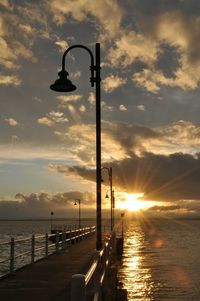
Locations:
{"points": [[63, 84], [109, 170], [79, 212], [52, 213]]}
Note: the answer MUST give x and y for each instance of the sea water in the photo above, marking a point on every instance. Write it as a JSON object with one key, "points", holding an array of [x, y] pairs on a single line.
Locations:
{"points": [[161, 260]]}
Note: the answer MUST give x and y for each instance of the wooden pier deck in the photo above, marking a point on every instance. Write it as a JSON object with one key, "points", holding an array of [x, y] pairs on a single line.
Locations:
{"points": [[49, 279]]}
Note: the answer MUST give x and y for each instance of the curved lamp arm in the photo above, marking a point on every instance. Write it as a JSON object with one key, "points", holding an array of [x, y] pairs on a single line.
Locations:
{"points": [[92, 67], [108, 169]]}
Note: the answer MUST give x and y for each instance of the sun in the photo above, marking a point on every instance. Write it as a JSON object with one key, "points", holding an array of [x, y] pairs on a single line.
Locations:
{"points": [[132, 202]]}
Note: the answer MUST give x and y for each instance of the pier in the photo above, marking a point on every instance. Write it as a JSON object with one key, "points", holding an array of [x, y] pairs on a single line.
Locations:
{"points": [[73, 273]]}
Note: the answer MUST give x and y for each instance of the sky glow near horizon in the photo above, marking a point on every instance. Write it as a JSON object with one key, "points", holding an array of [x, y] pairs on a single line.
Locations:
{"points": [[150, 54]]}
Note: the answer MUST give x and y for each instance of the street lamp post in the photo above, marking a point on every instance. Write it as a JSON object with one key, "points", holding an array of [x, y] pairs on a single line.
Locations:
{"points": [[52, 213], [63, 84], [79, 211], [109, 170]]}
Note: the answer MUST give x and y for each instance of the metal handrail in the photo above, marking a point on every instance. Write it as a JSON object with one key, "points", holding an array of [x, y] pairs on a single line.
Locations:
{"points": [[96, 273], [31, 250], [90, 272]]}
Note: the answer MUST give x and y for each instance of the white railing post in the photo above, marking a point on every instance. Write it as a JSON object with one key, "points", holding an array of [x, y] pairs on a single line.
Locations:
{"points": [[78, 288], [32, 248], [12, 254], [46, 244]]}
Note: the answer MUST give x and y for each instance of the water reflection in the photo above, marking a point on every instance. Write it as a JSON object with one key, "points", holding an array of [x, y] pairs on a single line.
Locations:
{"points": [[161, 260], [135, 273]]}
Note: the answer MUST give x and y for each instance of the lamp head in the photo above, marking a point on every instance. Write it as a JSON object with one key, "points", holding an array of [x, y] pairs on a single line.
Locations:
{"points": [[63, 84], [75, 203], [107, 196]]}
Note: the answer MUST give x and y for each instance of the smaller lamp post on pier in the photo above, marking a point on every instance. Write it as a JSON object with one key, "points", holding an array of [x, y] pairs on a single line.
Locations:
{"points": [[109, 170], [51, 219], [78, 201]]}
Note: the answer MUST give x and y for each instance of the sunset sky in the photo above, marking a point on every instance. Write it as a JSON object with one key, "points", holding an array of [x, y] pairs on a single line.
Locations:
{"points": [[150, 57]]}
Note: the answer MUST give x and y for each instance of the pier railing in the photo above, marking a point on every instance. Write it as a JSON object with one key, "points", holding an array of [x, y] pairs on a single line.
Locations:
{"points": [[17, 253], [93, 284]]}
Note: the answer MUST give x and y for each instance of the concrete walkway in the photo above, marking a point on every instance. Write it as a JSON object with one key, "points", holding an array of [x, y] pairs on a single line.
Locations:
{"points": [[49, 279]]}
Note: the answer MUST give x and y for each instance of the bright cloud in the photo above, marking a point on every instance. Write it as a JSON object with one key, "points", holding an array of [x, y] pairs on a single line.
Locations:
{"points": [[65, 99], [91, 98], [81, 10], [63, 45], [112, 82], [11, 121], [131, 47], [9, 80], [141, 107], [122, 108], [5, 3], [53, 118]]}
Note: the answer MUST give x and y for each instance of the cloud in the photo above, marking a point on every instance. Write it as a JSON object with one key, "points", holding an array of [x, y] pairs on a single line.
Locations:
{"points": [[84, 10], [129, 136], [66, 99], [112, 82], [144, 160], [164, 208], [91, 98], [11, 121], [82, 108], [122, 108], [46, 121], [126, 139], [35, 98], [159, 177], [106, 107], [53, 118], [62, 44], [131, 47], [186, 77], [39, 205], [80, 139], [177, 28], [9, 80], [141, 107], [20, 26], [12, 46], [75, 74], [5, 3]]}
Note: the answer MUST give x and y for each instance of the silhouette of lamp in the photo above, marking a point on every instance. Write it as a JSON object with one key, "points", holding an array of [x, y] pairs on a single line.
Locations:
{"points": [[78, 202], [52, 213], [63, 84], [109, 170]]}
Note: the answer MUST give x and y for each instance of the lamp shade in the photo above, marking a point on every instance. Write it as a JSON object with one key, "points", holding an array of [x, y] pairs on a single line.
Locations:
{"points": [[107, 196], [63, 84]]}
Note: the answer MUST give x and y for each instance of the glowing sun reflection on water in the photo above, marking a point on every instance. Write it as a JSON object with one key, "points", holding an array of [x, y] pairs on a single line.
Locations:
{"points": [[134, 272]]}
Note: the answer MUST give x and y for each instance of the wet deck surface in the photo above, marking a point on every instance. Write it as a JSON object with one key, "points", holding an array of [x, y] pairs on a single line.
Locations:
{"points": [[49, 279]]}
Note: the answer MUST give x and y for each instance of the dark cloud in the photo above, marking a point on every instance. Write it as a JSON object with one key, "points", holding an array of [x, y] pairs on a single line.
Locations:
{"points": [[130, 135], [39, 205], [150, 14], [164, 208], [159, 177]]}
